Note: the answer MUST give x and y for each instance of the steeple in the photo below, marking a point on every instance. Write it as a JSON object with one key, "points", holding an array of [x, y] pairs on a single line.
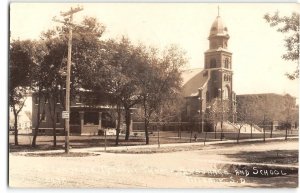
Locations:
{"points": [[218, 35], [218, 60], [218, 28]]}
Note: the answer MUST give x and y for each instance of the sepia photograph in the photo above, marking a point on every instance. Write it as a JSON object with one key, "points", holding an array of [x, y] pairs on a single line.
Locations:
{"points": [[153, 95]]}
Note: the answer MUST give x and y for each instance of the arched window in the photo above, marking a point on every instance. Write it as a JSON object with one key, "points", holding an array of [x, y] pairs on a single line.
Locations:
{"points": [[226, 63], [226, 93], [213, 63], [225, 77], [216, 93]]}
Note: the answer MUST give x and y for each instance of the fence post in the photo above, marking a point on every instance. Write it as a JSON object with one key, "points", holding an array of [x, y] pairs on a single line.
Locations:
{"points": [[271, 130], [264, 134], [251, 130], [191, 135], [104, 139], [158, 142]]}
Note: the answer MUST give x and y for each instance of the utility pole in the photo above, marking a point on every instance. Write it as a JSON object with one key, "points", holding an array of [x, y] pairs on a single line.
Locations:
{"points": [[70, 24]]}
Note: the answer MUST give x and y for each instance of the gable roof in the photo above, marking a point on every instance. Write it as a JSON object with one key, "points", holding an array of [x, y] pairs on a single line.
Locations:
{"points": [[193, 79]]}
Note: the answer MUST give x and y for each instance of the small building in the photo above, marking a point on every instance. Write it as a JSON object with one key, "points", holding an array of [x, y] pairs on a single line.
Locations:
{"points": [[24, 117], [85, 119]]}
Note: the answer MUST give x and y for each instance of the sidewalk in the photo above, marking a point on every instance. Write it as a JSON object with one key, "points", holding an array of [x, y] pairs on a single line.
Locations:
{"points": [[101, 149]]}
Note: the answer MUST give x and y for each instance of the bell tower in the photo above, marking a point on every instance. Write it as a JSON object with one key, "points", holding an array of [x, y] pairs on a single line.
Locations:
{"points": [[218, 62]]}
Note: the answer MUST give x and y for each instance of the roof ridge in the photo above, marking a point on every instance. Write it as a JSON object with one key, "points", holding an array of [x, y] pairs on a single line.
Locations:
{"points": [[193, 69]]}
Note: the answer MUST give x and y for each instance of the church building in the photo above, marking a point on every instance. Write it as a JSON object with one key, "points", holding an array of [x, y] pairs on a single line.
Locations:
{"points": [[204, 88]]}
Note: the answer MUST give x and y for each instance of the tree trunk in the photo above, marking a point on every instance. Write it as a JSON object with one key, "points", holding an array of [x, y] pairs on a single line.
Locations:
{"points": [[127, 122], [205, 137], [16, 127], [179, 131], [216, 130], [238, 136], [35, 132], [286, 132], [221, 130], [271, 134], [146, 131], [53, 118], [54, 134], [146, 121], [118, 125]]}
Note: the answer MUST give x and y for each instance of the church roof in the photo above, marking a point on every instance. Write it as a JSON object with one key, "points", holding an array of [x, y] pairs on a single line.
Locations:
{"points": [[218, 28], [193, 79]]}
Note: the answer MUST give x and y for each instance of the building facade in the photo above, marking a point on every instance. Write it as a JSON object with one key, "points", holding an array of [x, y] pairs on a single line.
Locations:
{"points": [[85, 118], [268, 109]]}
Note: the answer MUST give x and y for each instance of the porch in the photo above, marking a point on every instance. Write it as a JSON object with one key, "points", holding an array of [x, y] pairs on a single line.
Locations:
{"points": [[93, 121]]}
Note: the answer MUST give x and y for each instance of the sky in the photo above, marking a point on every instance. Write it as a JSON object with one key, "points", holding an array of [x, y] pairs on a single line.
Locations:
{"points": [[257, 48]]}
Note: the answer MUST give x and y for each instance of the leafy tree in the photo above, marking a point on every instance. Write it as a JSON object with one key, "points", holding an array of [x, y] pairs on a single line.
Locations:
{"points": [[160, 82], [49, 73], [116, 76], [21, 60], [125, 62], [288, 25], [38, 88]]}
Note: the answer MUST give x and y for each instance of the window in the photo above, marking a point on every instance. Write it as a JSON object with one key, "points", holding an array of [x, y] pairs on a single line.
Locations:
{"points": [[188, 110], [43, 116], [226, 93], [36, 101], [78, 99], [74, 118], [58, 117], [58, 99], [213, 63], [226, 63], [91, 118], [216, 93]]}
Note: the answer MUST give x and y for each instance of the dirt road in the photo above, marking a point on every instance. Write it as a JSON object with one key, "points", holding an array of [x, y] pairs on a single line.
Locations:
{"points": [[211, 167]]}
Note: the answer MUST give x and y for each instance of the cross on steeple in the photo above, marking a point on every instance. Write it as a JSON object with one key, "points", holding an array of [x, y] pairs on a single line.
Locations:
{"points": [[218, 10]]}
